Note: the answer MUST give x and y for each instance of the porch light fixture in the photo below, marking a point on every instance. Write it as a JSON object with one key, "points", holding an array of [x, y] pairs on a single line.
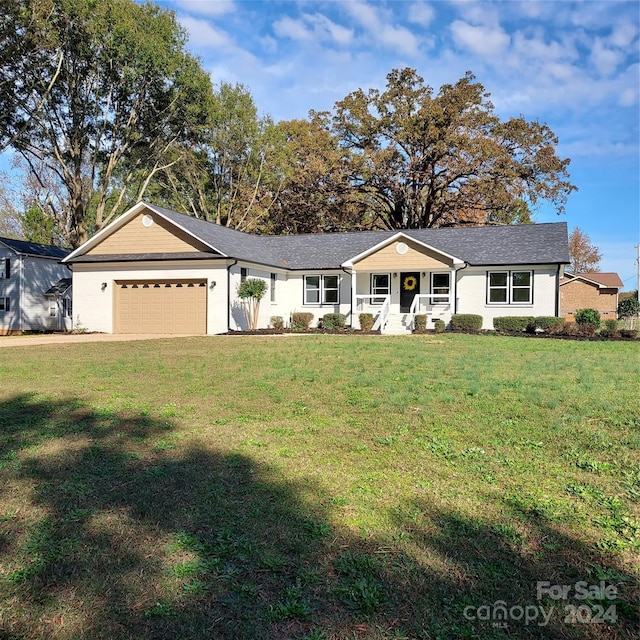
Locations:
{"points": [[103, 286], [212, 284], [395, 275], [423, 274]]}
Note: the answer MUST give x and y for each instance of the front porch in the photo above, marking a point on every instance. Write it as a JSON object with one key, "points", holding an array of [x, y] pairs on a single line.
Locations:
{"points": [[394, 299]]}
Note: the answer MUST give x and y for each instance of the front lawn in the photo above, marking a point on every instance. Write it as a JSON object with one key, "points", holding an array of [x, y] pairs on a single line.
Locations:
{"points": [[320, 487]]}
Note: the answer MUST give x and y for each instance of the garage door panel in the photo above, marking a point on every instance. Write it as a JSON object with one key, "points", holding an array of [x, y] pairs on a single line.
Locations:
{"points": [[176, 306]]}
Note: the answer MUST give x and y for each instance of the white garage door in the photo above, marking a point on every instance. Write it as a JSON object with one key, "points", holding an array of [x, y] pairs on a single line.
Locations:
{"points": [[160, 306]]}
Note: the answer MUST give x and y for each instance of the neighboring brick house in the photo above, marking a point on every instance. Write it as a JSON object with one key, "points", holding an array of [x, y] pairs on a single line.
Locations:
{"points": [[590, 291]]}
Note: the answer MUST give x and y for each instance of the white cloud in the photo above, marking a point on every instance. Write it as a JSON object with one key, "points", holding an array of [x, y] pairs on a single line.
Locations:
{"points": [[484, 40], [623, 35], [378, 25], [295, 29], [605, 60], [312, 27], [210, 9], [204, 34], [421, 13]]}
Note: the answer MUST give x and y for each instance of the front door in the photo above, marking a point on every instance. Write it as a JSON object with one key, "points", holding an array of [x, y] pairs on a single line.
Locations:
{"points": [[409, 287]]}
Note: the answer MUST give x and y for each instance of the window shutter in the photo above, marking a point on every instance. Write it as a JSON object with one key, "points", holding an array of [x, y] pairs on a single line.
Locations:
{"points": [[7, 304], [7, 268]]}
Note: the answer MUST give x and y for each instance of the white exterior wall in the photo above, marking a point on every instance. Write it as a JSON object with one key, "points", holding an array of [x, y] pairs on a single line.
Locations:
{"points": [[29, 278], [289, 296], [38, 275], [472, 293], [10, 288], [93, 306]]}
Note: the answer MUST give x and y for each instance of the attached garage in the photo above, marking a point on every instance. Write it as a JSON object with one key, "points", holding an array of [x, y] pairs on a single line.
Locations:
{"points": [[160, 306]]}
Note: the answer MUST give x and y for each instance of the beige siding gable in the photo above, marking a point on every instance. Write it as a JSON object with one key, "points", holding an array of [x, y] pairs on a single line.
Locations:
{"points": [[159, 237], [416, 257]]}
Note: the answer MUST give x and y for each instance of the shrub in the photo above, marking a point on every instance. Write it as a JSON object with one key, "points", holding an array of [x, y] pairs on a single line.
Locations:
{"points": [[610, 329], [438, 326], [334, 321], [466, 322], [586, 329], [550, 324], [587, 316], [629, 333], [513, 323], [277, 322], [366, 321], [629, 307], [251, 291], [420, 322], [300, 320]]}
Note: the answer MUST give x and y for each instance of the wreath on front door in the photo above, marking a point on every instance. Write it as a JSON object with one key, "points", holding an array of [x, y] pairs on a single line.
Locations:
{"points": [[410, 283]]}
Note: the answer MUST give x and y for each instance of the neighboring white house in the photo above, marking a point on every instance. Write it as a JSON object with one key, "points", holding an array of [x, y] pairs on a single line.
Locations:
{"points": [[154, 270], [35, 288]]}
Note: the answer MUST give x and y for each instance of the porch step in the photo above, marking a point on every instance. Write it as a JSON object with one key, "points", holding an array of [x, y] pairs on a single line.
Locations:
{"points": [[397, 324]]}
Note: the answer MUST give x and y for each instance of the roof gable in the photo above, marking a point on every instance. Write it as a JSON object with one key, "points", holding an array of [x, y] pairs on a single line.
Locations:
{"points": [[600, 279]]}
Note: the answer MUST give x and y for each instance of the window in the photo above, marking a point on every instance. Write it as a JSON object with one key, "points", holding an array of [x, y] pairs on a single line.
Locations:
{"points": [[243, 274], [5, 304], [5, 269], [53, 308], [380, 286], [321, 289], [440, 285], [521, 287], [510, 287], [67, 307], [274, 279]]}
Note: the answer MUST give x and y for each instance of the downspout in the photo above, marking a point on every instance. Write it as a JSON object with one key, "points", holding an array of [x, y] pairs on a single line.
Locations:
{"points": [[455, 300], [233, 264], [350, 273]]}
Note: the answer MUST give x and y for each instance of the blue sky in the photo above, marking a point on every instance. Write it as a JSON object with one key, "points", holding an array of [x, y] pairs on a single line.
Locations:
{"points": [[571, 65]]}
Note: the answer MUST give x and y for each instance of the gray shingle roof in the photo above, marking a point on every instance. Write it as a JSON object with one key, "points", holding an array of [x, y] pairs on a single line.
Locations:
{"points": [[23, 247], [492, 245]]}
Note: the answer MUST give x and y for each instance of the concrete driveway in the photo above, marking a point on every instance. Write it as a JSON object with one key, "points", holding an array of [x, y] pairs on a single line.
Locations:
{"points": [[77, 338]]}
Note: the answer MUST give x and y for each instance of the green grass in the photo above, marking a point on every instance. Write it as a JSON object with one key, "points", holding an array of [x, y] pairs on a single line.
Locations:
{"points": [[316, 487]]}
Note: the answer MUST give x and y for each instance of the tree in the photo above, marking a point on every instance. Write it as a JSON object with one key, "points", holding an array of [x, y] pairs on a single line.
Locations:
{"points": [[584, 255], [126, 101], [315, 194], [251, 291], [30, 63], [629, 307], [9, 214], [425, 160], [229, 177]]}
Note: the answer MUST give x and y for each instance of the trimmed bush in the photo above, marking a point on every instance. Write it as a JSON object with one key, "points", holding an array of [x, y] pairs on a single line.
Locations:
{"points": [[550, 324], [510, 324], [466, 322], [420, 322], [587, 316], [277, 322], [632, 334], [366, 321], [333, 321], [300, 320], [439, 326]]}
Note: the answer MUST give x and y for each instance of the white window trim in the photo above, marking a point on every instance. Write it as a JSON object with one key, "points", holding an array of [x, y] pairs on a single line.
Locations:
{"points": [[435, 301], [375, 301], [510, 288], [321, 290]]}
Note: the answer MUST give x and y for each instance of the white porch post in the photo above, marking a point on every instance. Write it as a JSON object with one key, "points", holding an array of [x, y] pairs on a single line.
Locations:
{"points": [[453, 291], [354, 301]]}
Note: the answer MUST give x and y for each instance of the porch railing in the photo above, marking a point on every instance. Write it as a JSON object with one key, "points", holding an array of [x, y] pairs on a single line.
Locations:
{"points": [[425, 302], [379, 309]]}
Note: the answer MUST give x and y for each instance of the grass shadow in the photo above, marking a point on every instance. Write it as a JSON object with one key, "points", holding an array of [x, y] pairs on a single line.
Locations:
{"points": [[111, 528]]}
